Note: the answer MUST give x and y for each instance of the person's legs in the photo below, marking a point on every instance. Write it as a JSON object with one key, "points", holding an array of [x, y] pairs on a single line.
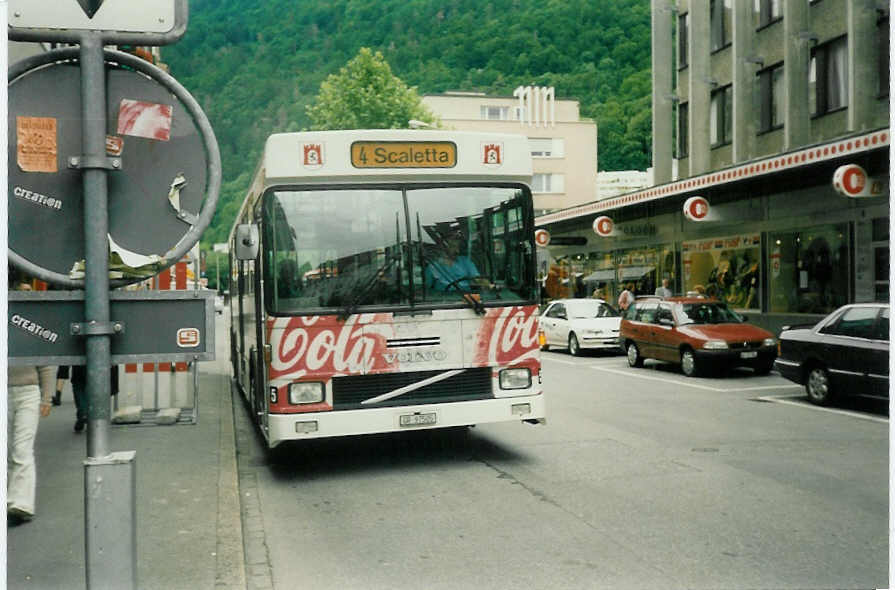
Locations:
{"points": [[79, 390], [22, 419]]}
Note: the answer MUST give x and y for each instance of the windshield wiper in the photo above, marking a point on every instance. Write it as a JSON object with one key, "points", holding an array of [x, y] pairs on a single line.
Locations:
{"points": [[366, 288]]}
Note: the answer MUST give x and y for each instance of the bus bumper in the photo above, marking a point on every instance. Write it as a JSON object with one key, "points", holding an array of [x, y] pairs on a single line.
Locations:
{"points": [[283, 427]]}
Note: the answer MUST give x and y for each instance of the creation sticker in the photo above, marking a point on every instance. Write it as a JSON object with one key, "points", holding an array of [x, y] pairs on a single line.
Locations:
{"points": [[37, 145]]}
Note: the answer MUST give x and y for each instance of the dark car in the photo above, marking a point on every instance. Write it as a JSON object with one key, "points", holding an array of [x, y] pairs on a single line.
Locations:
{"points": [[696, 333], [846, 353]]}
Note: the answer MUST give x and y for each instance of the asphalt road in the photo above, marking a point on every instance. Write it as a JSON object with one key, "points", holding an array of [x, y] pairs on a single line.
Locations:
{"points": [[642, 478]]}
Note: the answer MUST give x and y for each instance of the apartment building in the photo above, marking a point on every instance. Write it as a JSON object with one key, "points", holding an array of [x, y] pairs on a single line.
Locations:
{"points": [[760, 106], [563, 145]]}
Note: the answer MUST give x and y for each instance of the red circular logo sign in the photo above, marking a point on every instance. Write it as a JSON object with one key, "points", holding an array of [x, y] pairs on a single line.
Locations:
{"points": [[603, 226], [542, 237], [696, 208], [850, 180]]}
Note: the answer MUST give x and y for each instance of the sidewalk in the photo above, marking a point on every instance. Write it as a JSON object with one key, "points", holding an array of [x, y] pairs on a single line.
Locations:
{"points": [[189, 532]]}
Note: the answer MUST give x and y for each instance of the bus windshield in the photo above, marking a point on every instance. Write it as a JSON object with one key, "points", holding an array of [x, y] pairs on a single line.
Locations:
{"points": [[343, 250]]}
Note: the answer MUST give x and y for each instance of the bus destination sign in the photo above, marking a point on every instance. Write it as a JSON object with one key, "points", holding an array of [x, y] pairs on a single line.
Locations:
{"points": [[403, 154]]}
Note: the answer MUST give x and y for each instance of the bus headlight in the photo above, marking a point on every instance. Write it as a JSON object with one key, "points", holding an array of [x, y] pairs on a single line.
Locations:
{"points": [[515, 378], [305, 392]]}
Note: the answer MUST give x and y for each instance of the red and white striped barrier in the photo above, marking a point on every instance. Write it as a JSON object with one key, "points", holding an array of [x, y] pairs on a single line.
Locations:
{"points": [[157, 386]]}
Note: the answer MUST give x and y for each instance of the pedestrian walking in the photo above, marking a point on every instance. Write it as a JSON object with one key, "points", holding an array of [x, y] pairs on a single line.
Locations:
{"points": [[79, 390], [626, 297], [29, 397]]}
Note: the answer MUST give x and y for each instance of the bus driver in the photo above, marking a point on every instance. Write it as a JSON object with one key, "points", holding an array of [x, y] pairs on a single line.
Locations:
{"points": [[451, 271]]}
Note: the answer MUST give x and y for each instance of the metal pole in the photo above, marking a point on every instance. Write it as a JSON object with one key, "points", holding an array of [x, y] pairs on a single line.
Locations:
{"points": [[96, 228], [109, 478]]}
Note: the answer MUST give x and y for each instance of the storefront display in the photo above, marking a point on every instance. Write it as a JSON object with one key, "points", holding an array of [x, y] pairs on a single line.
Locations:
{"points": [[726, 268], [809, 269]]}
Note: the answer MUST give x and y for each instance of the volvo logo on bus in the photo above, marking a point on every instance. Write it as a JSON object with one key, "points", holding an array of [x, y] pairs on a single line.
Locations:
{"points": [[415, 356]]}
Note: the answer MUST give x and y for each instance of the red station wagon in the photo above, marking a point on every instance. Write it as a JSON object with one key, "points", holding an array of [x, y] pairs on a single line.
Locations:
{"points": [[696, 333]]}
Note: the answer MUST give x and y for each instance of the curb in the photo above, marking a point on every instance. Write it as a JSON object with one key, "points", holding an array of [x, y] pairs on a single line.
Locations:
{"points": [[230, 553]]}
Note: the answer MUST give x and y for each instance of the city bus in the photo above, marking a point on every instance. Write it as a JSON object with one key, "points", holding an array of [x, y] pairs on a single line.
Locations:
{"points": [[383, 281]]}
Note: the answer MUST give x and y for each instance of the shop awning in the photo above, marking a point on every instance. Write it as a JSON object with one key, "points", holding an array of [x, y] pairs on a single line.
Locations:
{"points": [[635, 272], [600, 275]]}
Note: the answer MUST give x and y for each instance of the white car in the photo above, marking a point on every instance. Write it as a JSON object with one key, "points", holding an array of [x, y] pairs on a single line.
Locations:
{"points": [[577, 324]]}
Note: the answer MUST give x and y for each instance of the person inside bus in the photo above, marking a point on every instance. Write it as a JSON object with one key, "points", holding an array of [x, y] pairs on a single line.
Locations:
{"points": [[452, 270]]}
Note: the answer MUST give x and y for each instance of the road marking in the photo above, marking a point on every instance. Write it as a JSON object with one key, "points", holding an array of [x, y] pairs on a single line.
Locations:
{"points": [[689, 384], [553, 360], [786, 399]]}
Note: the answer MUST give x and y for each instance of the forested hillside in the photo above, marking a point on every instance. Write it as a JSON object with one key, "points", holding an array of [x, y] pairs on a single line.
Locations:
{"points": [[255, 65]]}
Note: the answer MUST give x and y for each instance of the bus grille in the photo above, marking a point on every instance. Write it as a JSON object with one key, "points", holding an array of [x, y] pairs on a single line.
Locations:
{"points": [[471, 384]]}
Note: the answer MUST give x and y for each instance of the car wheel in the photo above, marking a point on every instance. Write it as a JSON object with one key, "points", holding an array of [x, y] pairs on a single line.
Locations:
{"points": [[574, 349], [634, 358], [818, 386], [688, 363]]}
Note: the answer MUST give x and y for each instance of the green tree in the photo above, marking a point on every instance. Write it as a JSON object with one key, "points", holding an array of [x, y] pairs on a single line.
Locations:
{"points": [[364, 94]]}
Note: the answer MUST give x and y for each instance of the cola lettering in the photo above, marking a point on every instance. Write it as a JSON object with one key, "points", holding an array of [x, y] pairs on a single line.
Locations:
{"points": [[300, 347], [509, 337]]}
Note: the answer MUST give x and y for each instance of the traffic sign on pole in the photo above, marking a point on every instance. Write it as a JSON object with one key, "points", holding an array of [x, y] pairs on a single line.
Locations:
{"points": [[143, 22]]}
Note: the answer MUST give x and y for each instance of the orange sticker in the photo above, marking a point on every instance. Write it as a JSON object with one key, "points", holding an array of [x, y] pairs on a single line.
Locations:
{"points": [[36, 144]]}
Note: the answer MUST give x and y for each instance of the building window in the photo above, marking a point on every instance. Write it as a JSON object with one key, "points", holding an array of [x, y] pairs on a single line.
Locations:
{"points": [[683, 122], [767, 12], [543, 147], [828, 77], [547, 183], [683, 39], [719, 17], [770, 83], [883, 35], [721, 116], [495, 113]]}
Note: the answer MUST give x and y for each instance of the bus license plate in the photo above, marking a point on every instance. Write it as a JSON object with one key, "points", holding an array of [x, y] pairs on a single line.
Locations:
{"points": [[418, 419], [748, 355]]}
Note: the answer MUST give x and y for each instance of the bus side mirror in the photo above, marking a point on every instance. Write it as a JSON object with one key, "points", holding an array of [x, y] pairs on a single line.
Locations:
{"points": [[246, 241]]}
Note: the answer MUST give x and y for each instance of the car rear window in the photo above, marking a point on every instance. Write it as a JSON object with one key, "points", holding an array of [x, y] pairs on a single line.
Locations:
{"points": [[856, 322]]}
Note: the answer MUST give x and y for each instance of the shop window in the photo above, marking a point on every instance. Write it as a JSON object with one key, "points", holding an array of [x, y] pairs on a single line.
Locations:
{"points": [[880, 239], [809, 270], [725, 268], [721, 116], [770, 83], [683, 121], [828, 77], [607, 273], [683, 39], [767, 12], [719, 21]]}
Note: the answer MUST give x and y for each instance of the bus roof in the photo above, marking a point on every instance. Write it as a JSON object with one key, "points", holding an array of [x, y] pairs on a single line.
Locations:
{"points": [[381, 155]]}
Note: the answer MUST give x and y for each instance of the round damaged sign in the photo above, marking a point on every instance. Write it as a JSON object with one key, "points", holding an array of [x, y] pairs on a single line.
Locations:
{"points": [[156, 157]]}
